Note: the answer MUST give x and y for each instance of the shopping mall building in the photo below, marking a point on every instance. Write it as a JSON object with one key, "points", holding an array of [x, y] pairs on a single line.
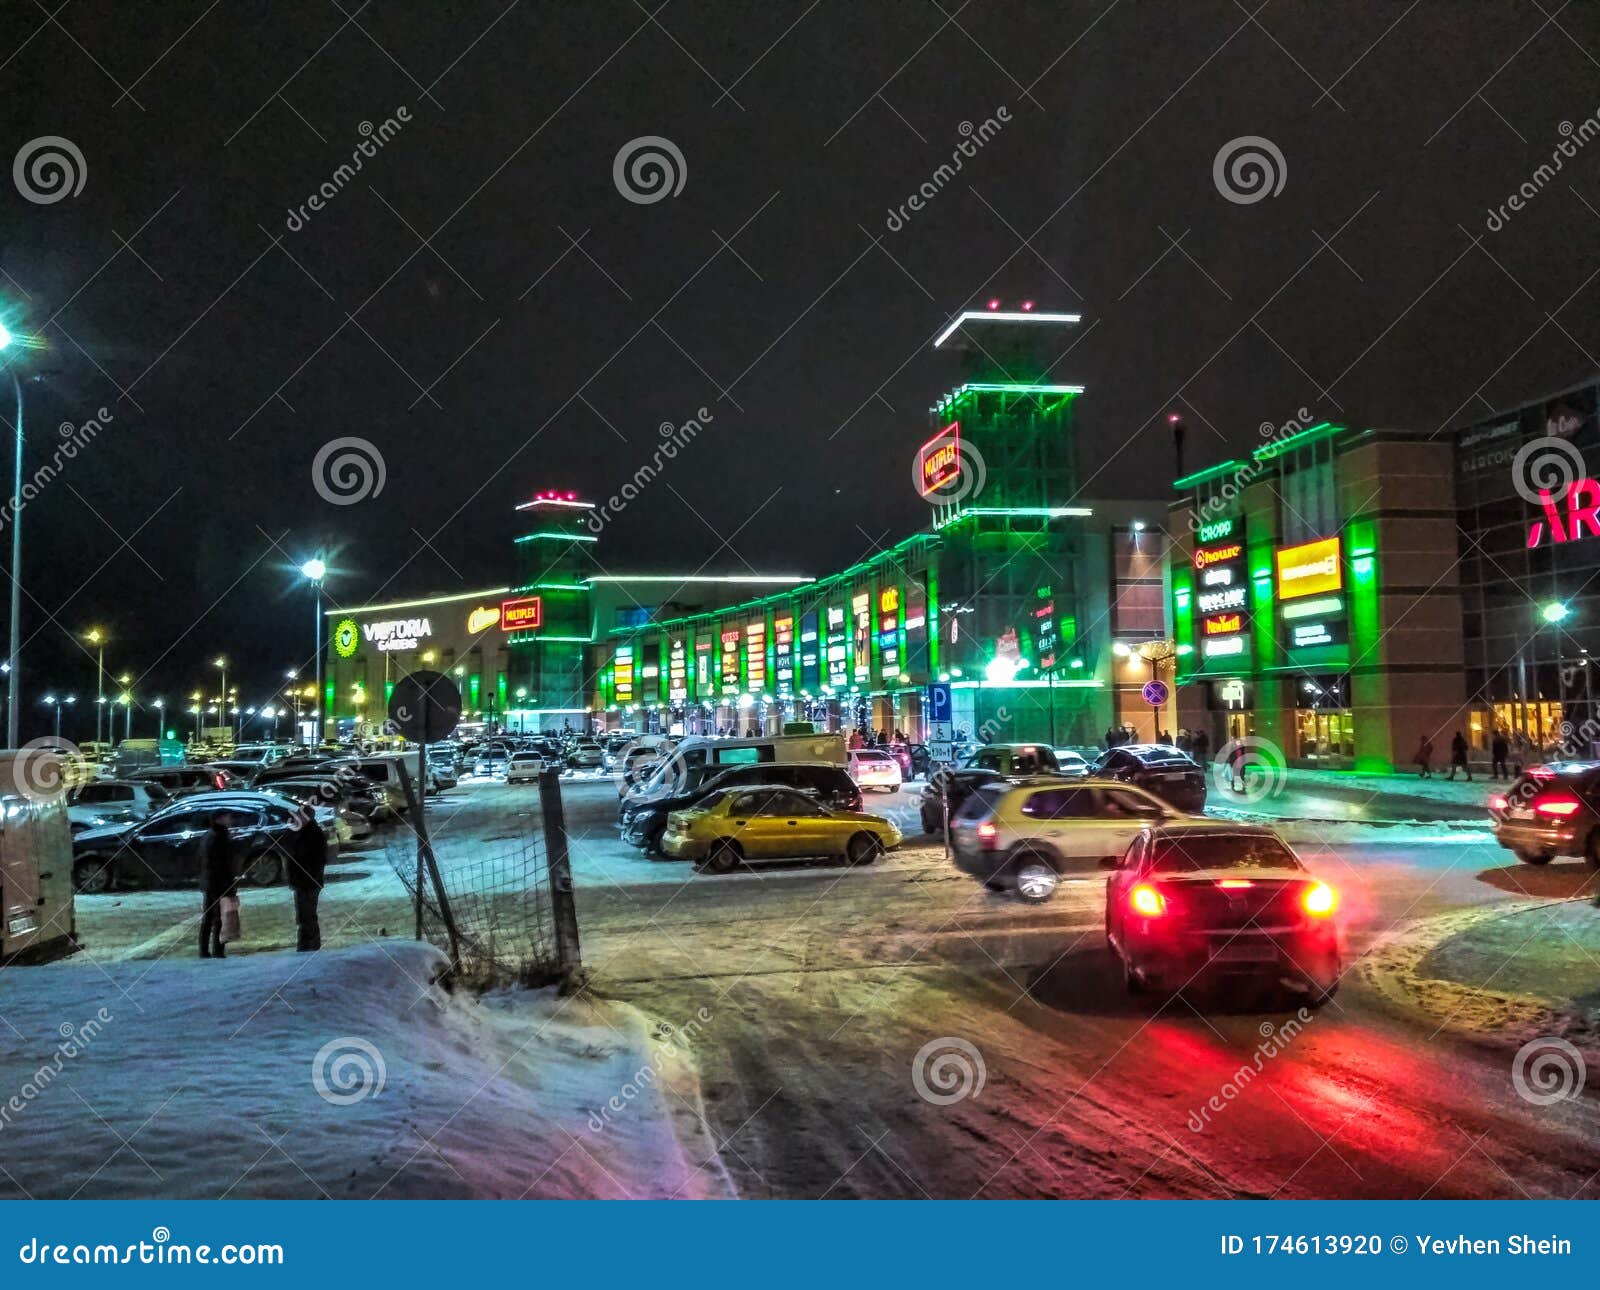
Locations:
{"points": [[1342, 592], [1045, 614]]}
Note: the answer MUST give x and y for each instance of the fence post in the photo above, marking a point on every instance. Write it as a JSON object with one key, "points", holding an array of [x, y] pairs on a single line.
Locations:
{"points": [[562, 903]]}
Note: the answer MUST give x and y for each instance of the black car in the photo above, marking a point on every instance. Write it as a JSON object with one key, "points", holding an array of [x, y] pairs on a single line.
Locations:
{"points": [[179, 780], [959, 785], [1013, 759], [1161, 769], [643, 823], [164, 850], [1550, 810]]}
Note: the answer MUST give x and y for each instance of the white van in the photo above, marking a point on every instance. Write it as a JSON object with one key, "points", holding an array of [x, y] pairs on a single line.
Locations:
{"points": [[698, 756], [37, 919]]}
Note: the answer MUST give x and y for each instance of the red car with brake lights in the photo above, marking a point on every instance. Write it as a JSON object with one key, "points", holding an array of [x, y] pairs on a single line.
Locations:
{"points": [[1205, 900], [1549, 811]]}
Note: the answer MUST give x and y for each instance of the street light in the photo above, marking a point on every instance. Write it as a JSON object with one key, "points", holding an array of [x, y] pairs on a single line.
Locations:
{"points": [[126, 700], [221, 662], [1555, 612], [56, 700], [161, 719], [314, 571], [97, 638], [6, 338]]}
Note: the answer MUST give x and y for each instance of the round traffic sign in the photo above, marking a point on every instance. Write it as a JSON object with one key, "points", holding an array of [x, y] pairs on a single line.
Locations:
{"points": [[1156, 693], [425, 706]]}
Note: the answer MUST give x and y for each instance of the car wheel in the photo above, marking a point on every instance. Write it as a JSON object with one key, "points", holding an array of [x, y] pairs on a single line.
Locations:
{"points": [[93, 876], [863, 849], [1317, 995], [1132, 982], [1034, 878], [264, 870], [724, 857], [1535, 857], [931, 823], [652, 842]]}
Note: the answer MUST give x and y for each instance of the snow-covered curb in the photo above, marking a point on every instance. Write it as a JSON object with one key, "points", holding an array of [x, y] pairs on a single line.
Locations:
{"points": [[349, 1073]]}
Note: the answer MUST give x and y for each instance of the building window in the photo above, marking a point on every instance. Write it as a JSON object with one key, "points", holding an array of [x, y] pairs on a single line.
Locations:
{"points": [[1306, 495]]}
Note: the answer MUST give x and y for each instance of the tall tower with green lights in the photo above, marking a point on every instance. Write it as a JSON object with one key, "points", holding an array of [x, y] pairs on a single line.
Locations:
{"points": [[547, 619]]}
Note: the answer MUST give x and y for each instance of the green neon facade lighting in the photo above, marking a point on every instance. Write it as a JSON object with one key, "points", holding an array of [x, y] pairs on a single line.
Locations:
{"points": [[1321, 607], [1229, 467], [416, 604], [1322, 430], [556, 537]]}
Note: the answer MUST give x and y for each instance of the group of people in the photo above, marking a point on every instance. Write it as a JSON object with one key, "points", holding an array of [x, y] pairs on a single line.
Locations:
{"points": [[1507, 755], [306, 862], [870, 738]]}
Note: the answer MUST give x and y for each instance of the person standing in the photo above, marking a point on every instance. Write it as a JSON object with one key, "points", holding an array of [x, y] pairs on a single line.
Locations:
{"points": [[1458, 756], [308, 862], [1498, 749], [1202, 747], [1424, 758], [217, 879]]}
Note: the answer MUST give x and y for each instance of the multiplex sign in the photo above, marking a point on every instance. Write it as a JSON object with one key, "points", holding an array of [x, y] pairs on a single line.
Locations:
{"points": [[939, 460], [522, 615]]}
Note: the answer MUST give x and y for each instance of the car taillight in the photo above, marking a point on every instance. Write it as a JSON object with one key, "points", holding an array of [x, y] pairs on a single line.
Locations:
{"points": [[1147, 901], [1559, 805], [1319, 900], [1497, 802], [1233, 884], [987, 833]]}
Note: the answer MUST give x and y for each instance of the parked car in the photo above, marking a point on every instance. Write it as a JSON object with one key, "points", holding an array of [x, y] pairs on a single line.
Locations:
{"points": [[586, 754], [921, 761], [1069, 761], [525, 767], [958, 785], [1551, 810], [875, 768], [770, 822], [644, 823], [353, 823], [1207, 899], [180, 780], [1025, 836], [444, 765], [113, 801], [491, 761], [1013, 759], [164, 850], [1171, 775]]}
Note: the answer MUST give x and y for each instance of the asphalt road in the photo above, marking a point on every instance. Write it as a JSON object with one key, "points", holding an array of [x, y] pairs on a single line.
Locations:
{"points": [[899, 1030]]}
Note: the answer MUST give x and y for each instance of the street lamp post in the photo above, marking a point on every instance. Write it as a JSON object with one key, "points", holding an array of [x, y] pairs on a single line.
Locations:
{"points": [[97, 638], [16, 561], [56, 701], [314, 571], [161, 719], [222, 698]]}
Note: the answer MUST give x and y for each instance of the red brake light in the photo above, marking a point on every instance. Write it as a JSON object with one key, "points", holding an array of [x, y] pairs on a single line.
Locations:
{"points": [[1559, 805], [1233, 883], [1320, 900], [987, 833], [1146, 900], [1497, 802]]}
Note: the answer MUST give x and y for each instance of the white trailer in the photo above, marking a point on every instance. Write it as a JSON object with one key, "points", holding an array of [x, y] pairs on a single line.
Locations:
{"points": [[37, 917]]}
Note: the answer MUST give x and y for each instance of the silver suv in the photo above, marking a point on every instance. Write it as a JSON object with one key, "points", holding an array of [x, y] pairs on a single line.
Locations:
{"points": [[1026, 836]]}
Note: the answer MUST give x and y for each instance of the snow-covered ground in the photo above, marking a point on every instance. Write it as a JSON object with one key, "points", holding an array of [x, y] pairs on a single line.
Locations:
{"points": [[349, 1073]]}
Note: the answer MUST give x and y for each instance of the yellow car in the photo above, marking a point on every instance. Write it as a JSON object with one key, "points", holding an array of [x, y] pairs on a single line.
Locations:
{"points": [[742, 824]]}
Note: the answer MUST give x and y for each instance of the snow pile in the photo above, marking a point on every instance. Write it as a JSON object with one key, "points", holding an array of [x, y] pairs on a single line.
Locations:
{"points": [[348, 1073]]}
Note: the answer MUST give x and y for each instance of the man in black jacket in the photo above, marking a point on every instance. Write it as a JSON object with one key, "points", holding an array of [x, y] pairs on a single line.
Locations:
{"points": [[307, 862], [217, 879]]}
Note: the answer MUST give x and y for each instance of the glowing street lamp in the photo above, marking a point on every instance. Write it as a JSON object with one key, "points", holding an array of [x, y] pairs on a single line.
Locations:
{"points": [[97, 638], [1555, 612], [314, 571]]}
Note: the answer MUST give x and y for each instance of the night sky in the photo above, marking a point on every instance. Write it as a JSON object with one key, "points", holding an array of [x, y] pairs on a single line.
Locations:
{"points": [[551, 325]]}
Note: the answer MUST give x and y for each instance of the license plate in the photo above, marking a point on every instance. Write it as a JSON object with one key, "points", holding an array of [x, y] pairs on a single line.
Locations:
{"points": [[1521, 813], [1246, 953]]}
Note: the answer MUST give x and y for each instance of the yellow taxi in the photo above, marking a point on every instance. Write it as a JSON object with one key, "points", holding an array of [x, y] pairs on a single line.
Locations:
{"points": [[736, 825]]}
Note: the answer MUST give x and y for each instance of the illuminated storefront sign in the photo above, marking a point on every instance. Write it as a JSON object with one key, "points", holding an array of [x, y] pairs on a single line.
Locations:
{"points": [[397, 633], [1044, 628], [1222, 646], [1318, 632], [1221, 599], [1206, 556], [916, 660], [482, 619], [755, 654], [889, 630], [1583, 511], [837, 649], [939, 460], [622, 674], [346, 638], [1223, 625], [730, 660], [810, 653], [1211, 602], [522, 615], [1216, 530], [677, 672], [861, 616], [1310, 569], [783, 653]]}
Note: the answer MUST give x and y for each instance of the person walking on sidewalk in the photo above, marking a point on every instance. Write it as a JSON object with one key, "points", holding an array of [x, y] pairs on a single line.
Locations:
{"points": [[1236, 760], [1458, 756], [1498, 748], [308, 861], [217, 879], [1424, 757]]}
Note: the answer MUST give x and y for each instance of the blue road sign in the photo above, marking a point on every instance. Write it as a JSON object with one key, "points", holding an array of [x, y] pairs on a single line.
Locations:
{"points": [[938, 701]]}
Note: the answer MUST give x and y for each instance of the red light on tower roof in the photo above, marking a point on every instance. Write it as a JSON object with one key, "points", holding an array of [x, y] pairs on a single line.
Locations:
{"points": [[994, 304], [1172, 417], [1027, 306]]}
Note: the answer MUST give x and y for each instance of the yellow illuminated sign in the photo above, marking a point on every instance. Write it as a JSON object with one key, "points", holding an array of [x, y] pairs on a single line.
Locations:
{"points": [[482, 619], [1310, 569]]}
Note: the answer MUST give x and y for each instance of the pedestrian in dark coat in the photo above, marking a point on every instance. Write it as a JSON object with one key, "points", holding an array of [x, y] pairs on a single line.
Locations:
{"points": [[1202, 747], [1499, 747], [1424, 757], [217, 879], [1458, 756], [308, 860]]}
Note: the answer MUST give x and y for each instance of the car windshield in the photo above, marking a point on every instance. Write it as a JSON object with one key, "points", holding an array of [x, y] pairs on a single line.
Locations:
{"points": [[1188, 852]]}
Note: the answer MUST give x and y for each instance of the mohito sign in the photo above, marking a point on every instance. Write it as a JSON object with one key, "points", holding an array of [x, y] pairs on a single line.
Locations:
{"points": [[522, 615], [1309, 569], [397, 633], [939, 460], [1583, 513]]}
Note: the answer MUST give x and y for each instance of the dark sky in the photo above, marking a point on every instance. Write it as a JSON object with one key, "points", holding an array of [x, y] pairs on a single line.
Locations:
{"points": [[230, 349]]}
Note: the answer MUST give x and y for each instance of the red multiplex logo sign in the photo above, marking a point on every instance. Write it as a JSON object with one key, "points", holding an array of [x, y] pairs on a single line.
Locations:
{"points": [[1583, 513], [941, 458], [522, 615]]}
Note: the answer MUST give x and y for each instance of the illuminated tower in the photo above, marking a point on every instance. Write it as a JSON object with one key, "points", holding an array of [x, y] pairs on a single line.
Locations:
{"points": [[547, 620]]}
